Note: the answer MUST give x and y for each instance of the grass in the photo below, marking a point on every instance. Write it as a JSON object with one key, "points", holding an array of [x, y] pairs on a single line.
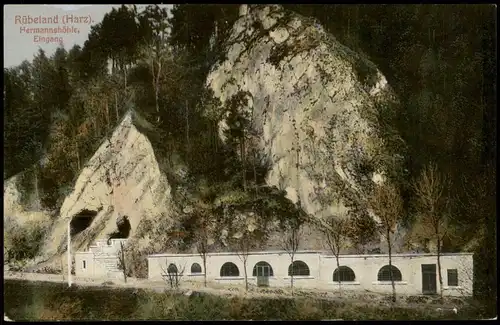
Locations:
{"points": [[26, 301]]}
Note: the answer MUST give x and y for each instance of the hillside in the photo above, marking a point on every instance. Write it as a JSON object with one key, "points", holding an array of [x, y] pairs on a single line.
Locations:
{"points": [[265, 123]]}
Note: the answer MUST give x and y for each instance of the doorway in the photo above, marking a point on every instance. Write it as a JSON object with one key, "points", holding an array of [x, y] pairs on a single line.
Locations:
{"points": [[429, 285], [262, 271], [262, 275]]}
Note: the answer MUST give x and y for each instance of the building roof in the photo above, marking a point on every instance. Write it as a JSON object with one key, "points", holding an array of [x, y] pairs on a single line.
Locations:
{"points": [[323, 253]]}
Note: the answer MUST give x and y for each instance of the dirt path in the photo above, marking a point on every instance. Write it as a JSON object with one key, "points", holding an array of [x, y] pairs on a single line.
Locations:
{"points": [[185, 287], [160, 286], [131, 282], [224, 290], [189, 288]]}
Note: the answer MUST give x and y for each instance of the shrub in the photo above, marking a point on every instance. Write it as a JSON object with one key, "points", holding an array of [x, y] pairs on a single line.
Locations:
{"points": [[137, 262], [22, 242], [172, 275], [27, 300], [68, 308], [49, 270]]}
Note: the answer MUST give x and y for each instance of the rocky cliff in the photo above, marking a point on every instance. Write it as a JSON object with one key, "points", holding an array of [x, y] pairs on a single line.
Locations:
{"points": [[121, 183], [311, 102]]}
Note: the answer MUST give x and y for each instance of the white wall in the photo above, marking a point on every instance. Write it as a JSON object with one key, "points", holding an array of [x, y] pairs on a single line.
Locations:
{"points": [[367, 267], [95, 265], [88, 257], [321, 266], [278, 261]]}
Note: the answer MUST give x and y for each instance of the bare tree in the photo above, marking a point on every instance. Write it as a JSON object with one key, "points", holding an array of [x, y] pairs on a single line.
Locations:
{"points": [[122, 265], [433, 207], [245, 244], [157, 47], [290, 243], [202, 244], [387, 204], [202, 216], [336, 232], [172, 275]]}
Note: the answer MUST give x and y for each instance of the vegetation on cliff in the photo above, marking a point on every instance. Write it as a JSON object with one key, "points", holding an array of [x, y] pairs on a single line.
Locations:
{"points": [[439, 59]]}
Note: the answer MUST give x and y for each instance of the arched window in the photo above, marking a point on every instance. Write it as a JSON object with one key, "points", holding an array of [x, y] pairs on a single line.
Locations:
{"points": [[298, 268], [172, 269], [195, 268], [384, 274], [262, 269], [344, 274], [229, 269]]}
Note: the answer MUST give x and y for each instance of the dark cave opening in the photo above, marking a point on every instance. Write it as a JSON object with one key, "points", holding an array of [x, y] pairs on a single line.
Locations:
{"points": [[81, 221], [123, 229]]}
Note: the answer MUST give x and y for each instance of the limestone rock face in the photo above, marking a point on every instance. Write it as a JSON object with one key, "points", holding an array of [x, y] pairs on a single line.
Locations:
{"points": [[122, 178], [11, 197], [27, 209], [310, 100]]}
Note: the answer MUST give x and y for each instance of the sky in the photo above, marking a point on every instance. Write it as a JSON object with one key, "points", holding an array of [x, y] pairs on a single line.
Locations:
{"points": [[20, 43]]}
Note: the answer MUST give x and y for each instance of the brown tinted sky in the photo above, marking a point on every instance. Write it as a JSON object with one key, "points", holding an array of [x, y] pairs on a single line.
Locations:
{"points": [[19, 46]]}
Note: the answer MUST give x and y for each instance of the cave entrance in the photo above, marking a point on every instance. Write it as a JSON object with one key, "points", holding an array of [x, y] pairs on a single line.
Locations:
{"points": [[81, 221], [123, 229]]}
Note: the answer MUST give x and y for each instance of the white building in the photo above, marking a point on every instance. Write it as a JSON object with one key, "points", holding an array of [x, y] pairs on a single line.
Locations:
{"points": [[100, 261], [413, 273]]}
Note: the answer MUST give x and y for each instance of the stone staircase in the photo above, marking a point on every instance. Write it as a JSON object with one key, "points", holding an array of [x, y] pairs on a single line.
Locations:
{"points": [[107, 256]]}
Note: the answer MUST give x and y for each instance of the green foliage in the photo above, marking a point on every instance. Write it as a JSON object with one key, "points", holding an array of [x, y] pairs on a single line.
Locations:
{"points": [[193, 27], [439, 60], [26, 126], [22, 242], [57, 112], [422, 50], [55, 301]]}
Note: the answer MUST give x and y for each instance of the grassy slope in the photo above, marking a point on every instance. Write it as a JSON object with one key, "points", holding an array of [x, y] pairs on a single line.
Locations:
{"points": [[54, 301]]}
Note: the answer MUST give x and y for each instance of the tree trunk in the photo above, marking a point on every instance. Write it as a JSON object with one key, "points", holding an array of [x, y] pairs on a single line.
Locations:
{"points": [[157, 90], [291, 277], [107, 113], [348, 25], [390, 266], [187, 127], [116, 107], [124, 267], [157, 106], [297, 166], [37, 193], [439, 267], [94, 127], [338, 270], [215, 134], [125, 75], [77, 150], [243, 168], [255, 172], [62, 269], [245, 271], [205, 269]]}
